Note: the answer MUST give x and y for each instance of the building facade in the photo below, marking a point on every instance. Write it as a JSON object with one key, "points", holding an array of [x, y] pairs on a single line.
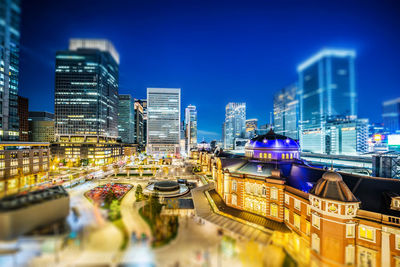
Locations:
{"points": [[251, 127], [23, 116], [126, 119], [41, 126], [318, 217], [190, 127], [86, 89], [235, 123], [9, 68], [286, 112], [391, 115], [163, 120], [23, 166], [326, 90], [139, 124]]}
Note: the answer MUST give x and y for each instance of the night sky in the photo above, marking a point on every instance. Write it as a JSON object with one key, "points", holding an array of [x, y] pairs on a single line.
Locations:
{"points": [[216, 51]]}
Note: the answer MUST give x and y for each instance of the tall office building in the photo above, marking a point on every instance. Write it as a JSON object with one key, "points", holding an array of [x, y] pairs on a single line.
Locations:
{"points": [[126, 119], [251, 128], [23, 116], [143, 102], [9, 68], [41, 126], [235, 123], [163, 120], [139, 123], [190, 127], [391, 115], [326, 91], [86, 102], [86, 90], [286, 112]]}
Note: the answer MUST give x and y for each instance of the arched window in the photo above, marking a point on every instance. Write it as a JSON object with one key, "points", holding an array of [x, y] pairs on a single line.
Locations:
{"points": [[234, 185], [264, 191], [273, 210], [234, 199]]}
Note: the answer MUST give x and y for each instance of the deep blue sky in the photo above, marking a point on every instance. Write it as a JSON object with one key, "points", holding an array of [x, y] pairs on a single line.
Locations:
{"points": [[216, 51]]}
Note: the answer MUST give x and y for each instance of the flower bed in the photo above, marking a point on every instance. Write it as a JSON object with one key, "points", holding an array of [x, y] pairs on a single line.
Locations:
{"points": [[105, 194]]}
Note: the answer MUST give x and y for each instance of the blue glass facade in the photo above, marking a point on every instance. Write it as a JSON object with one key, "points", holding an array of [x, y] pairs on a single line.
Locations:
{"points": [[391, 115], [9, 68], [326, 91], [235, 123], [126, 119]]}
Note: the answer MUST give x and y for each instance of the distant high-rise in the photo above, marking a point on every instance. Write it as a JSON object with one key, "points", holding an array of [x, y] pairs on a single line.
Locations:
{"points": [[23, 115], [235, 123], [139, 123], [126, 119], [163, 120], [143, 102], [391, 115], [326, 91], [86, 90], [9, 68], [251, 127], [190, 127], [286, 112], [41, 126]]}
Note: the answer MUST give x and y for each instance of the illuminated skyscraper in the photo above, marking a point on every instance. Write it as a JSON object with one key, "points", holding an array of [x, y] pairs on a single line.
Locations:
{"points": [[126, 119], [139, 123], [326, 91], [9, 63], [190, 127], [391, 115], [86, 90], [286, 112], [163, 120], [235, 123], [251, 127]]}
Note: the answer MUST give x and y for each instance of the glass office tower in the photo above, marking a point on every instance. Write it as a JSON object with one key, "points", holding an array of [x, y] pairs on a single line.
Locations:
{"points": [[126, 119], [391, 115], [9, 68], [235, 123], [326, 91], [139, 123], [190, 127], [163, 121], [86, 89], [251, 128], [286, 112]]}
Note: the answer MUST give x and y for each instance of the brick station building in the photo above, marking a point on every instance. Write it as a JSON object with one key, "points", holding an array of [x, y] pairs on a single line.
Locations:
{"points": [[334, 219]]}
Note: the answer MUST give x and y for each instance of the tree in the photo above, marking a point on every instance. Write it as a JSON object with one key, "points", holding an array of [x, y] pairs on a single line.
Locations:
{"points": [[115, 210], [139, 193]]}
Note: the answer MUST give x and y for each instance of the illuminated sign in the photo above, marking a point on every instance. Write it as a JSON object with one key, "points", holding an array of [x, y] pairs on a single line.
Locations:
{"points": [[377, 137], [394, 140]]}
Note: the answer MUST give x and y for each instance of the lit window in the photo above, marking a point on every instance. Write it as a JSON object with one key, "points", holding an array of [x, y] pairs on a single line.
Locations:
{"points": [[308, 228], [273, 210], [366, 232], [264, 191], [315, 221], [287, 214], [283, 156], [308, 210], [287, 199], [234, 185], [297, 204], [398, 242], [350, 253], [274, 193], [269, 155], [234, 199], [296, 221], [350, 230], [315, 242]]}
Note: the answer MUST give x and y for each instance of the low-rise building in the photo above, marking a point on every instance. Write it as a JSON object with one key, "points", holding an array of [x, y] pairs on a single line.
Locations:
{"points": [[41, 126], [23, 166]]}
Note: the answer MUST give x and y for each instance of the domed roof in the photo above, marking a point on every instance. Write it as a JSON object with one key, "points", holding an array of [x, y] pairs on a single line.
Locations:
{"points": [[272, 140], [331, 186]]}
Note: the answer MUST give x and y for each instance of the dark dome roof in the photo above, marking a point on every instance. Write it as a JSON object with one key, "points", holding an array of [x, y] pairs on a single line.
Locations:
{"points": [[331, 186], [166, 186], [272, 140]]}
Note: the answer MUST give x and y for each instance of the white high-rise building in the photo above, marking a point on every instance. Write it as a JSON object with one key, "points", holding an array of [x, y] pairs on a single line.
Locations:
{"points": [[235, 123], [163, 120], [191, 127]]}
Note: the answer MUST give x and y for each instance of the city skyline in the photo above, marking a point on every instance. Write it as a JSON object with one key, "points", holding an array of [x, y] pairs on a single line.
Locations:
{"points": [[194, 55]]}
